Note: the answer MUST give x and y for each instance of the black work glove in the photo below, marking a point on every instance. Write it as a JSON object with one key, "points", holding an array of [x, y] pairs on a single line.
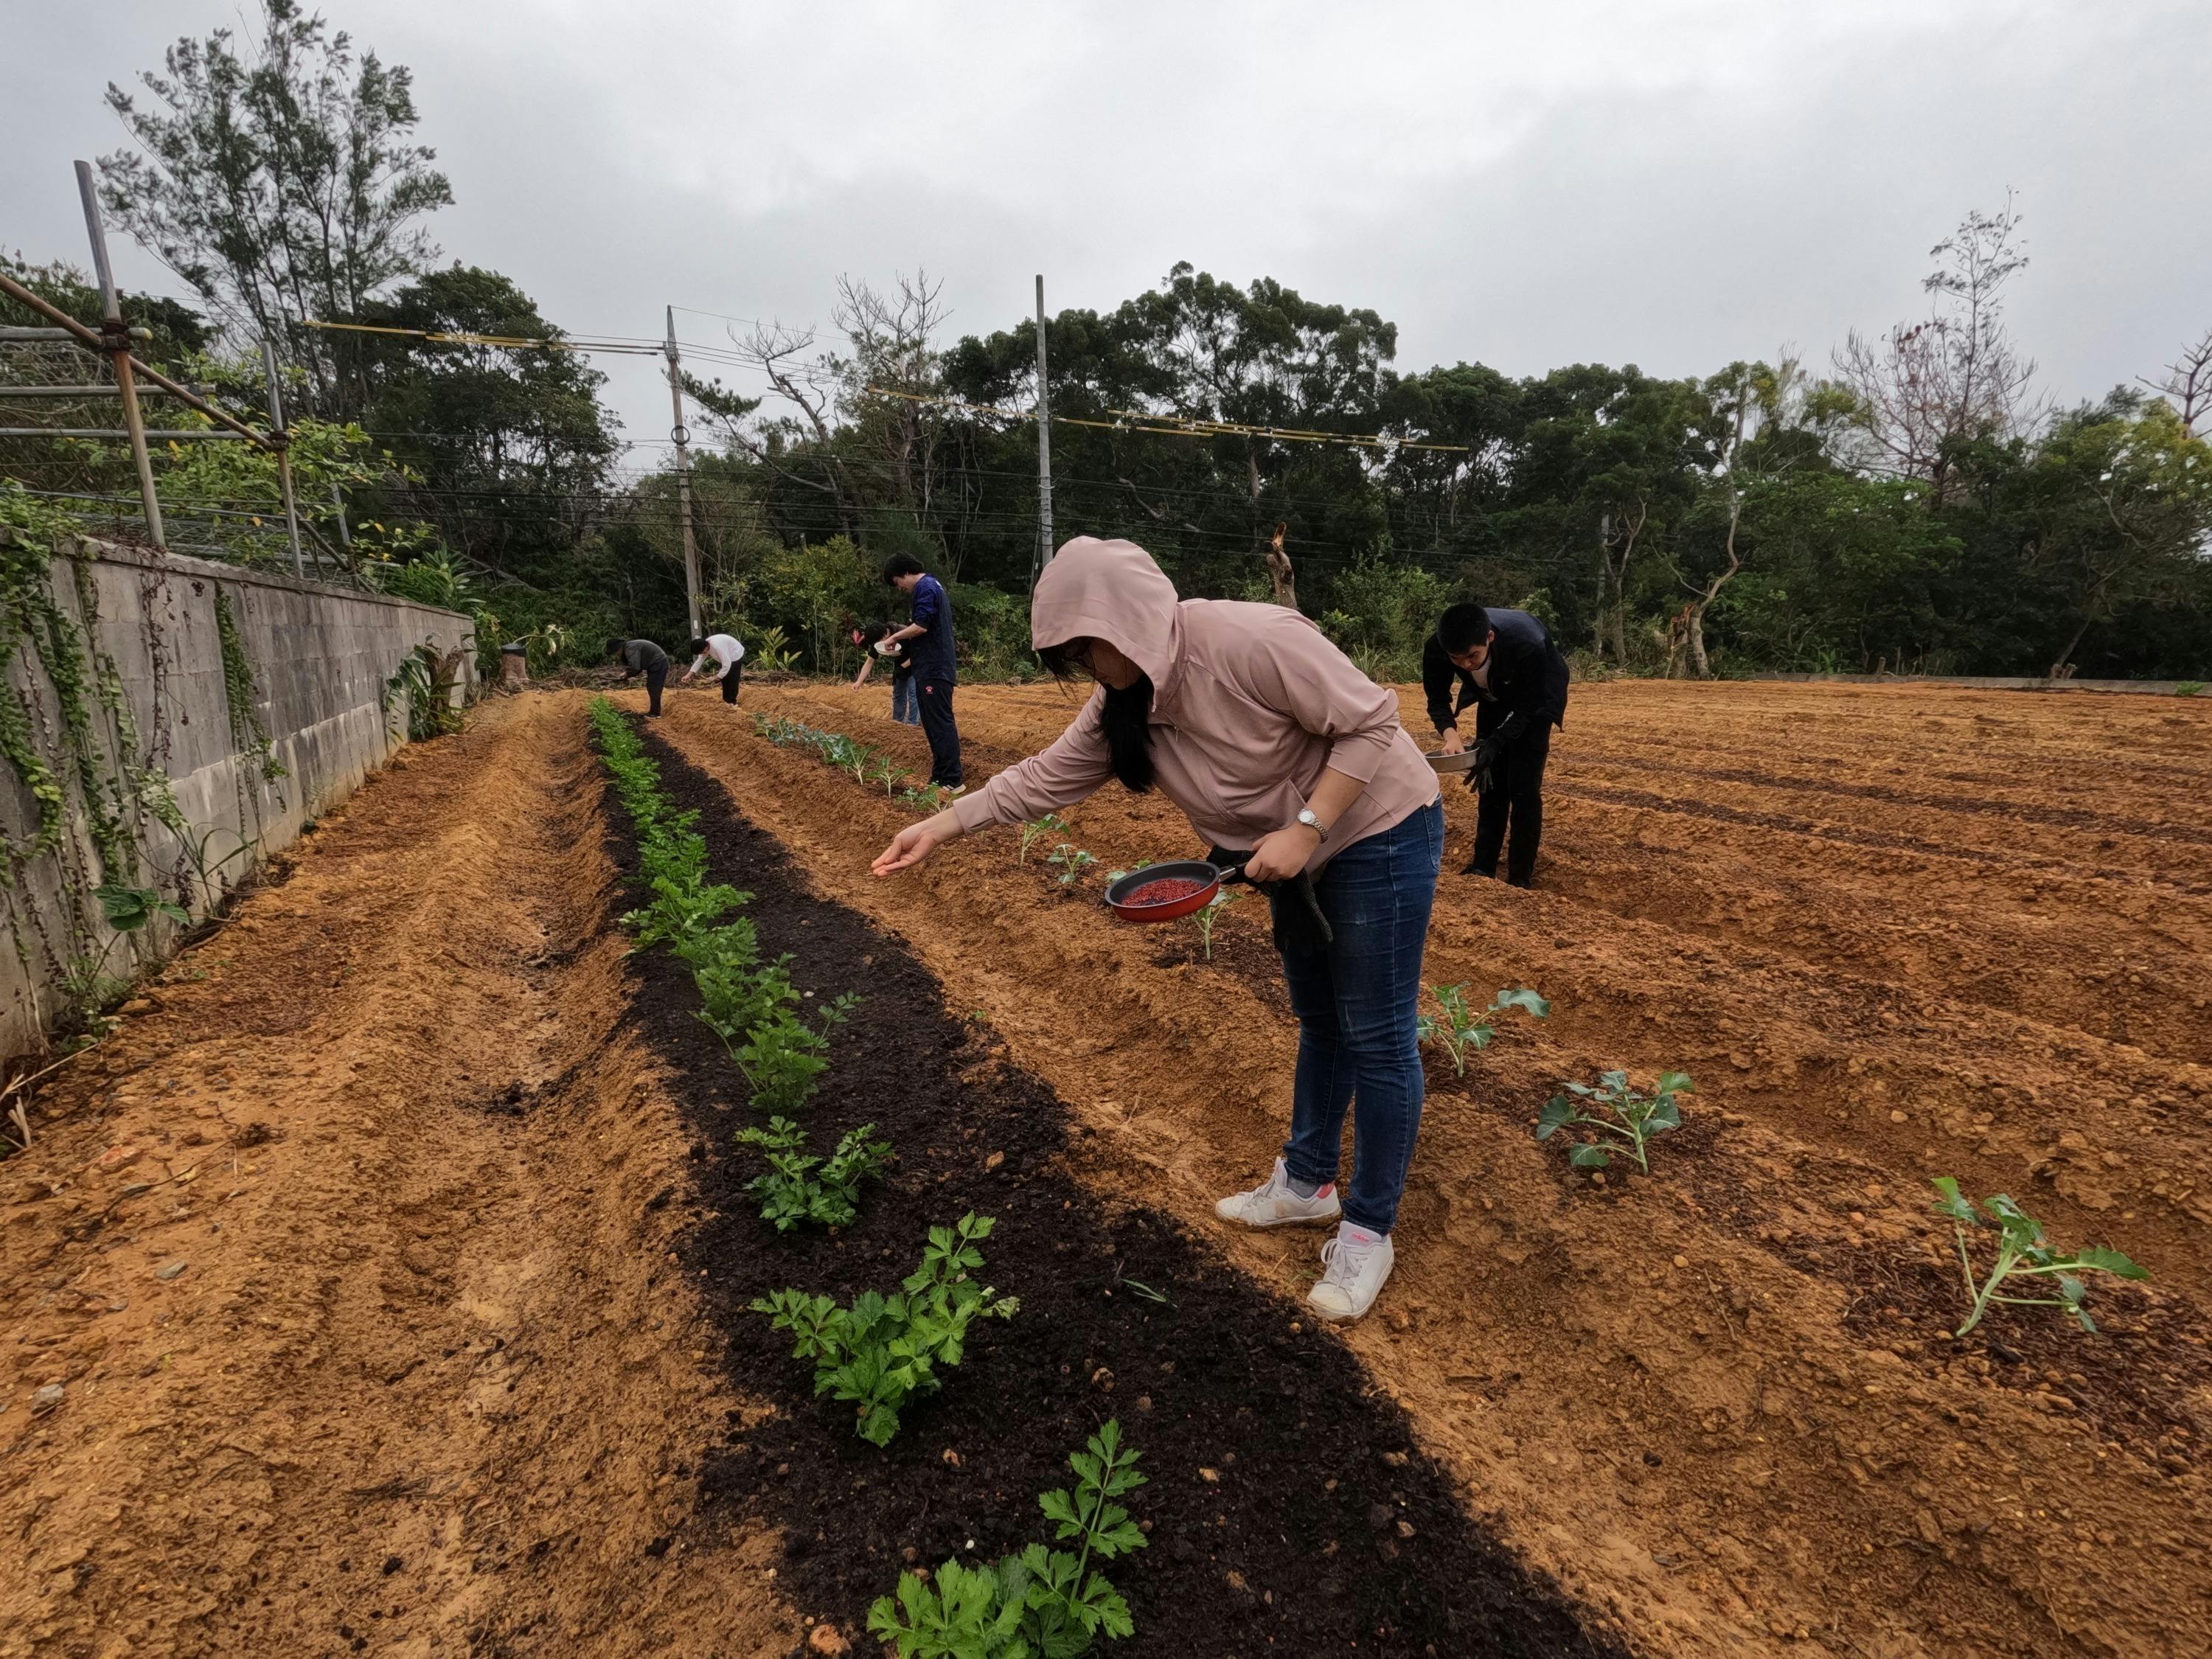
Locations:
{"points": [[1300, 928], [1481, 777]]}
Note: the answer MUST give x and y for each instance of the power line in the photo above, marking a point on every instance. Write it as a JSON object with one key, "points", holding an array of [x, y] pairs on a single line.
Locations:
{"points": [[1180, 425]]}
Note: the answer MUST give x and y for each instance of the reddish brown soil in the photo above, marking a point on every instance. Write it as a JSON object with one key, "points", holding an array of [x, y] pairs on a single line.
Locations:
{"points": [[369, 1335], [1893, 933], [423, 1178]]}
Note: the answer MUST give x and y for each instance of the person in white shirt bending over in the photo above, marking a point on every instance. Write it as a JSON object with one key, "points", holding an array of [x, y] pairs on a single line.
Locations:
{"points": [[723, 651]]}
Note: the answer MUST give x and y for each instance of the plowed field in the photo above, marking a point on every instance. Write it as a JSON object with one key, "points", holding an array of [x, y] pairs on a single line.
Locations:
{"points": [[393, 1262], [1891, 935]]}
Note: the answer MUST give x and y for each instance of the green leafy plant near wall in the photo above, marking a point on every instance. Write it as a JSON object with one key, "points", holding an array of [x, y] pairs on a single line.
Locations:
{"points": [[247, 734]]}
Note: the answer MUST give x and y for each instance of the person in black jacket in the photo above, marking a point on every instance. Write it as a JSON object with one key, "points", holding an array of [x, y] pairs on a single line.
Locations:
{"points": [[1506, 664], [642, 657]]}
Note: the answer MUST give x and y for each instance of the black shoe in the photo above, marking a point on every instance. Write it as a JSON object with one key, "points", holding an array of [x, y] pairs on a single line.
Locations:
{"points": [[1521, 881], [1475, 869]]}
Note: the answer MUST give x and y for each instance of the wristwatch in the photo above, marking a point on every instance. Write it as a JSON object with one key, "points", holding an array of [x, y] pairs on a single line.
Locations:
{"points": [[1306, 817]]}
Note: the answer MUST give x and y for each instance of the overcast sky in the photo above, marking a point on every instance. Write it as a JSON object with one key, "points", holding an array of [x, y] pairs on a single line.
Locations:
{"points": [[1671, 182]]}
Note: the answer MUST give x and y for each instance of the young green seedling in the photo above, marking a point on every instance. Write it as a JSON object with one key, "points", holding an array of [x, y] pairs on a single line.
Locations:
{"points": [[1035, 831], [1461, 1028], [930, 797], [791, 1194], [882, 1351], [782, 1055], [1205, 918], [2021, 1253], [1072, 860], [1043, 1603], [1617, 1111], [881, 770]]}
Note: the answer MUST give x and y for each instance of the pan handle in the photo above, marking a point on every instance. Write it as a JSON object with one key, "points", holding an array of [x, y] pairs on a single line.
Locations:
{"points": [[1231, 867]]}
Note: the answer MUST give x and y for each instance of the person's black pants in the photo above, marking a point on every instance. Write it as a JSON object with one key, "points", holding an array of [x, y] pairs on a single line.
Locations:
{"points": [[655, 678], [935, 697], [1509, 814], [730, 683]]}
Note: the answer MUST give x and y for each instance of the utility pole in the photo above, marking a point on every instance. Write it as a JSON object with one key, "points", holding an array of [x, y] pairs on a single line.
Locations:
{"points": [[1044, 449], [116, 340], [683, 478], [284, 452]]}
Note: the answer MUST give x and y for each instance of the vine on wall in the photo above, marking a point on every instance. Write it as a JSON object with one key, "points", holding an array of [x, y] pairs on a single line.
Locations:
{"points": [[79, 759], [247, 734]]}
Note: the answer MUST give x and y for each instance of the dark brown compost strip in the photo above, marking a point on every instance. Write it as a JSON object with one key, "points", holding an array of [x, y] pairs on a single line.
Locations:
{"points": [[1290, 1509]]}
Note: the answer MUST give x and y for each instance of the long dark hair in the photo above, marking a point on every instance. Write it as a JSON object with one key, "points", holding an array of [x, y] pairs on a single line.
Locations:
{"points": [[1127, 717]]}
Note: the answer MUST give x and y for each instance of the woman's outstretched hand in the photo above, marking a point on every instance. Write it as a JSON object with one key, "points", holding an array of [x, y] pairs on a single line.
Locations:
{"points": [[915, 844]]}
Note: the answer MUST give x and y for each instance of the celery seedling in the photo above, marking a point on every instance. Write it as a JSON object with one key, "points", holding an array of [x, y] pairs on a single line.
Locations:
{"points": [[791, 1194], [1461, 1028], [2022, 1251], [1035, 830], [882, 1351], [1617, 1111], [1042, 1601]]}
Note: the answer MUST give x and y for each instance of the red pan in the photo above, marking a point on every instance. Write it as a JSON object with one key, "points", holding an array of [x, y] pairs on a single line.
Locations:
{"points": [[1185, 886]]}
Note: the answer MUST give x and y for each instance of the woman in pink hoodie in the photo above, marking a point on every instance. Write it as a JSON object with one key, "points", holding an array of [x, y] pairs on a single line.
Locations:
{"points": [[1267, 737]]}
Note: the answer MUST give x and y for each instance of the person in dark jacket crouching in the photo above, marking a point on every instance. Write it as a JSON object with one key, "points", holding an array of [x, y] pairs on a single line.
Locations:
{"points": [[1504, 663]]}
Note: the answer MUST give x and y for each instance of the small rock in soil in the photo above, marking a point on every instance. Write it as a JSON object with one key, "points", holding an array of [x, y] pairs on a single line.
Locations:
{"points": [[391, 1565], [47, 1398], [825, 1640], [170, 1270]]}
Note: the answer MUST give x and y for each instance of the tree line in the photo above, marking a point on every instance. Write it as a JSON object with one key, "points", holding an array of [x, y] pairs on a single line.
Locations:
{"points": [[1912, 504]]}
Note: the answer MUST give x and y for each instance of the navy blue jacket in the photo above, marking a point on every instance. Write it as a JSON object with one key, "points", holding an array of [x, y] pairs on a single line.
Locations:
{"points": [[931, 652], [1527, 680]]}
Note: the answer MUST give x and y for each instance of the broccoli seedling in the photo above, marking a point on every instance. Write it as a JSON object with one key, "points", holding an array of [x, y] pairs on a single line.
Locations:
{"points": [[2021, 1252], [792, 1194], [882, 1351], [881, 770], [1072, 860], [1461, 1028], [1042, 1601], [1207, 915], [930, 797], [1035, 831], [1617, 1111]]}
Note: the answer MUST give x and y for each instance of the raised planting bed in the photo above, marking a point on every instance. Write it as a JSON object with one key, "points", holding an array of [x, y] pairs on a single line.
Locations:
{"points": [[1287, 1505]]}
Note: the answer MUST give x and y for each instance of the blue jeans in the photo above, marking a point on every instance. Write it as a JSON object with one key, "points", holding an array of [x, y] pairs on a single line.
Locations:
{"points": [[902, 700], [1356, 1004]]}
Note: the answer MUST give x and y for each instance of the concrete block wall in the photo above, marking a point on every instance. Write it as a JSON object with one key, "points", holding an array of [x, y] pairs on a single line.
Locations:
{"points": [[320, 657]]}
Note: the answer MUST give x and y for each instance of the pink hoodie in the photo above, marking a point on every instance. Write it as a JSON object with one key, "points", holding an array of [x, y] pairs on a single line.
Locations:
{"points": [[1250, 704]]}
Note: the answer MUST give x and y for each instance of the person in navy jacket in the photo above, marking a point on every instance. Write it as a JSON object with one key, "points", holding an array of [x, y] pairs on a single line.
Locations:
{"points": [[928, 641]]}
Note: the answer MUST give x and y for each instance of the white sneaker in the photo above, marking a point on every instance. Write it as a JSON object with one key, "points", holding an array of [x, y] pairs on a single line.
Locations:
{"points": [[1353, 1275], [1275, 1203]]}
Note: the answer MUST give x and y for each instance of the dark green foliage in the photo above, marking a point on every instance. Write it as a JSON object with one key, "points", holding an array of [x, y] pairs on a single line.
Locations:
{"points": [[282, 182], [1043, 1603], [882, 1351]]}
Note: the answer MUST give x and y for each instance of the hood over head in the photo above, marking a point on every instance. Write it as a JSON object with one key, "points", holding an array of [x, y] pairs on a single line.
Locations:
{"points": [[1110, 590]]}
